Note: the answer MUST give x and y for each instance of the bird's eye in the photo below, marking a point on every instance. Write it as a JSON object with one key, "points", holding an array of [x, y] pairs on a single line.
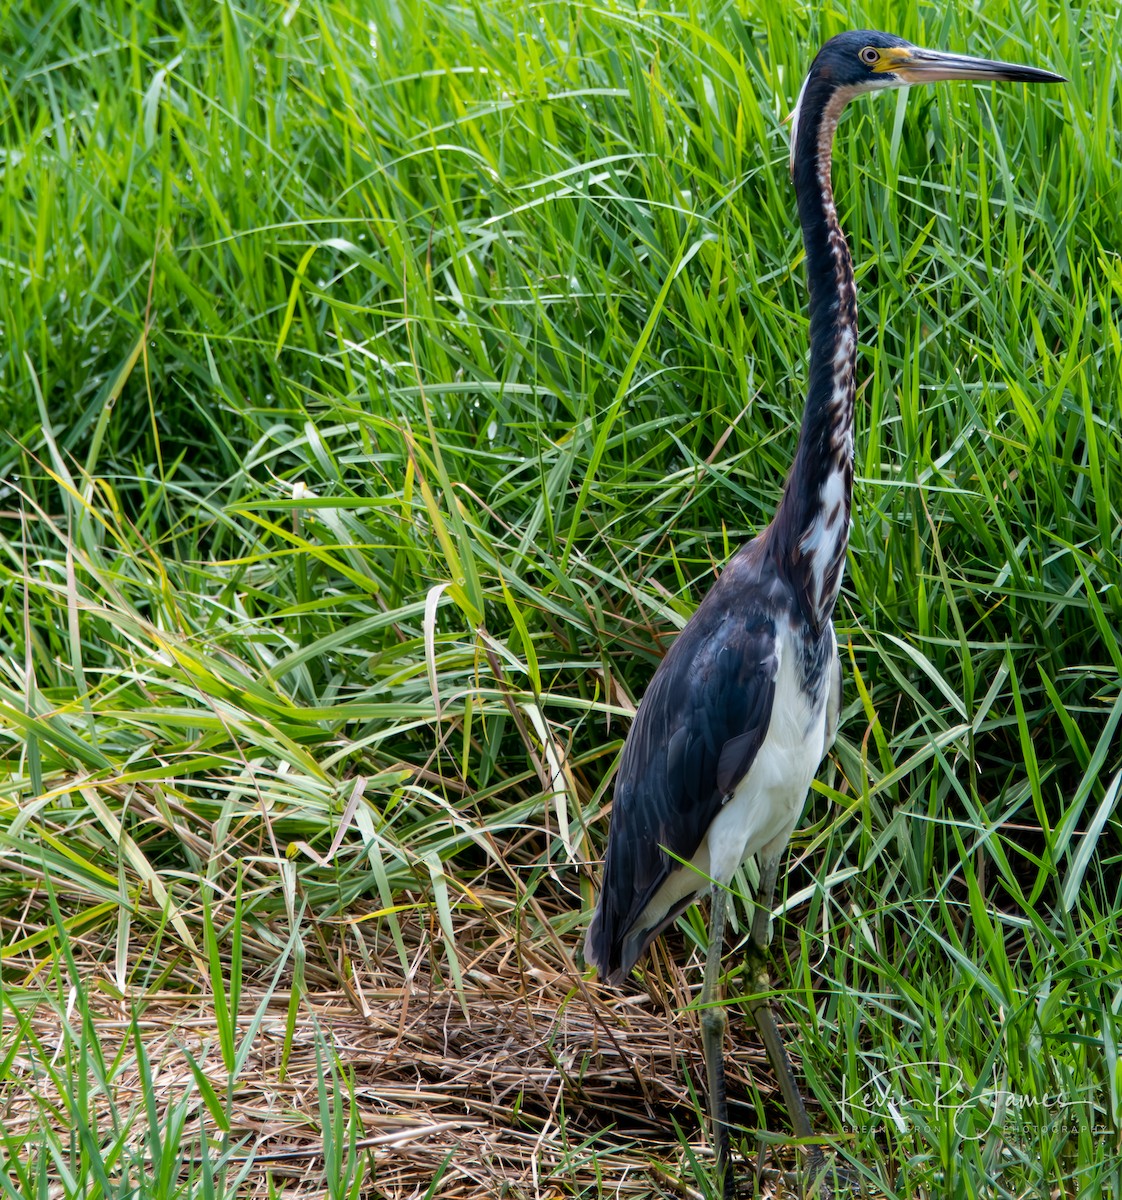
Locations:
{"points": [[870, 55]]}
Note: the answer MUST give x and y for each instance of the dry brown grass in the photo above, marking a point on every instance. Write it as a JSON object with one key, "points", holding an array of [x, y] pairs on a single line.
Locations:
{"points": [[535, 1083]]}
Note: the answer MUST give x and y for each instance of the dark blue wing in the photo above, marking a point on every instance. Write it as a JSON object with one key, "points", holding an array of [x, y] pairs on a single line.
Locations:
{"points": [[693, 739]]}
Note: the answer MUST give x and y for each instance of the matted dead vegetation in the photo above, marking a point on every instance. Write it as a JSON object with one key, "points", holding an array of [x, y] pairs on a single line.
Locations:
{"points": [[527, 1082]]}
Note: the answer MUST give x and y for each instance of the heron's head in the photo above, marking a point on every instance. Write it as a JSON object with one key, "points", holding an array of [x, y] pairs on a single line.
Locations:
{"points": [[864, 60]]}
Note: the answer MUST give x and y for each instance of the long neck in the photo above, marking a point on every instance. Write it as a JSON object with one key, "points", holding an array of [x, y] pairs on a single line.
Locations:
{"points": [[811, 527]]}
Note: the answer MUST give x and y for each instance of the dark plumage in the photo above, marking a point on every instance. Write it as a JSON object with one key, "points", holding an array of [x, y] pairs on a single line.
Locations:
{"points": [[695, 735], [742, 709]]}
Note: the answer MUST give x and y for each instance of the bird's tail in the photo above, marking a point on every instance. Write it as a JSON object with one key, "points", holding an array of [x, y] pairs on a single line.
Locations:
{"points": [[615, 956]]}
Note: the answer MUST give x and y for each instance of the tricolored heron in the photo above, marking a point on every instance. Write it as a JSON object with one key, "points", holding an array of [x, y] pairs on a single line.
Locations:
{"points": [[721, 754]]}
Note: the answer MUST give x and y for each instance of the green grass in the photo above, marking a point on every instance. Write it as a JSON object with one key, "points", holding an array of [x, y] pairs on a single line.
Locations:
{"points": [[387, 383]]}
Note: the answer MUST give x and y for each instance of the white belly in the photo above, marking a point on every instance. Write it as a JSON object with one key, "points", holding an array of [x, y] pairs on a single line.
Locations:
{"points": [[769, 799], [767, 802]]}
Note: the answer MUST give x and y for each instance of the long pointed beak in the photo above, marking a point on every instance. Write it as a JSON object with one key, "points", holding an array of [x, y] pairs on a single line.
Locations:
{"points": [[913, 65]]}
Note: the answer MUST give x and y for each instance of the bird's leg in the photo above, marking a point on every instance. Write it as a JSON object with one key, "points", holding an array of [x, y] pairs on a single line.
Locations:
{"points": [[759, 981], [713, 1023], [759, 1005], [821, 1183]]}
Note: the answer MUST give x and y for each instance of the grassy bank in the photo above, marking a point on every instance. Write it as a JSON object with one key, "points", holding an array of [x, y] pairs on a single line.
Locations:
{"points": [[386, 385]]}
